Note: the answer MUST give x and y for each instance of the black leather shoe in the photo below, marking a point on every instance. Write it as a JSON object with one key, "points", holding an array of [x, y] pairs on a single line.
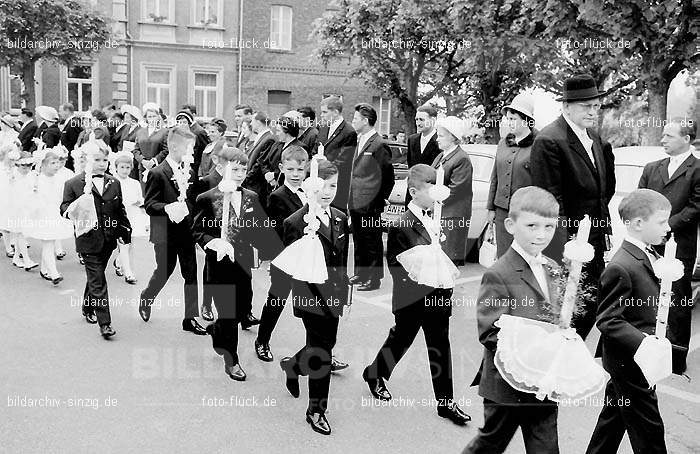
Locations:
{"points": [[57, 280], [292, 382], [376, 386], [263, 352], [131, 280], [191, 325], [207, 314], [355, 280], [45, 276], [235, 372], [107, 331], [337, 366], [90, 318], [118, 269], [144, 310], [318, 423], [248, 321], [372, 284], [455, 414]]}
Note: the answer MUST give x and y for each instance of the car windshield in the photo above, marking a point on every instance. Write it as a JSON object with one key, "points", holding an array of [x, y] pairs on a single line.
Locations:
{"points": [[627, 178], [398, 155], [482, 167]]}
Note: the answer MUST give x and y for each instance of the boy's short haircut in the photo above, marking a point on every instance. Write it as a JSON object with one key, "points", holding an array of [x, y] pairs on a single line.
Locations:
{"points": [[295, 153], [262, 118], [178, 135], [419, 175], [532, 199], [307, 112], [233, 154], [333, 103], [326, 169], [123, 159], [219, 124], [642, 203]]}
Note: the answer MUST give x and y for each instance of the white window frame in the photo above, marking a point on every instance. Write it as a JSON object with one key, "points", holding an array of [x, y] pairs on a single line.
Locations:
{"points": [[6, 86], [219, 13], [145, 67], [219, 72], [145, 13], [277, 36], [92, 81], [380, 120]]}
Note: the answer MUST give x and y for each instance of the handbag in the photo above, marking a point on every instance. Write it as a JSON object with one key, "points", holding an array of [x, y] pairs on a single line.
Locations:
{"points": [[487, 251]]}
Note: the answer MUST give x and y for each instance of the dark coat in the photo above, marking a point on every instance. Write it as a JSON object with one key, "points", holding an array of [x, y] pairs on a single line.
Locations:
{"points": [[116, 139], [281, 204], [627, 304], [683, 191], [372, 176], [339, 148], [200, 143], [113, 222], [273, 158], [511, 172], [26, 134], [71, 132], [560, 164], [458, 177], [414, 153], [129, 136], [162, 190], [508, 287], [203, 184], [149, 147], [50, 135], [255, 178], [309, 139], [329, 298]]}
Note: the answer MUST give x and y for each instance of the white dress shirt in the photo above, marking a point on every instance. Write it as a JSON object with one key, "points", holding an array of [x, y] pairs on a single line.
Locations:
{"points": [[362, 140], [426, 220], [99, 184], [298, 191], [675, 162], [236, 200], [583, 137], [325, 217], [425, 139], [536, 264], [173, 165], [334, 125]]}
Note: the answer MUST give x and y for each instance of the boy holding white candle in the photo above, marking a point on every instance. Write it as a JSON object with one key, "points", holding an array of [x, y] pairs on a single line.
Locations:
{"points": [[627, 320]]}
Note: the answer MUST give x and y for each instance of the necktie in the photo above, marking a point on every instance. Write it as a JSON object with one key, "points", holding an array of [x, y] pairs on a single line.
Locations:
{"points": [[651, 251], [427, 213], [98, 176], [325, 218]]}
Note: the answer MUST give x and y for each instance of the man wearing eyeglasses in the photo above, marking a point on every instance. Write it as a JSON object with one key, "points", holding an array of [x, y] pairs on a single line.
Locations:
{"points": [[570, 160]]}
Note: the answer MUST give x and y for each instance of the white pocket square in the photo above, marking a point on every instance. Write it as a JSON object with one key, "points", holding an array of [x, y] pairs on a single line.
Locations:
{"points": [[367, 153], [249, 210], [341, 235]]}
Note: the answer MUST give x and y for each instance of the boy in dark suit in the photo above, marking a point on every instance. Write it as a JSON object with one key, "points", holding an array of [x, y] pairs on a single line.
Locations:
{"points": [[96, 246], [627, 309], [230, 259], [678, 179], [171, 237], [520, 283], [319, 305], [416, 306]]}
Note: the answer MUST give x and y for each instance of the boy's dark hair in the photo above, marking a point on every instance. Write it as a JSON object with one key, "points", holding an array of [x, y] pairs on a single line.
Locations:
{"points": [[532, 199], [233, 154], [368, 112], [430, 110], [262, 118], [294, 153], [419, 175], [219, 123], [247, 110], [307, 112], [333, 103], [642, 203], [326, 169], [99, 115]]}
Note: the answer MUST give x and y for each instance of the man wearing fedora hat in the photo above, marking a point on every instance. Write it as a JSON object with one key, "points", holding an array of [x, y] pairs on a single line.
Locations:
{"points": [[570, 160]]}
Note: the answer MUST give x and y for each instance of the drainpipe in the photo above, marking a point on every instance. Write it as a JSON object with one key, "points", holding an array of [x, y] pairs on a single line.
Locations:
{"points": [[240, 50]]}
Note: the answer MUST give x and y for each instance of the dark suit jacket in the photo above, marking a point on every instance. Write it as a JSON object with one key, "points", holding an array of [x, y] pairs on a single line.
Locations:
{"points": [[203, 184], [560, 164], [50, 135], [26, 134], [162, 190], [372, 176], [309, 140], [129, 136], [149, 147], [200, 143], [458, 177], [116, 139], [111, 214], [273, 158], [683, 191], [511, 171], [70, 133], [414, 155], [339, 148], [255, 178], [406, 233], [508, 287], [627, 304], [329, 298]]}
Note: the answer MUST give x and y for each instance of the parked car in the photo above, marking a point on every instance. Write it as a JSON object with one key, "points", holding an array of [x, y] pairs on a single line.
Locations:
{"points": [[482, 157], [629, 164]]}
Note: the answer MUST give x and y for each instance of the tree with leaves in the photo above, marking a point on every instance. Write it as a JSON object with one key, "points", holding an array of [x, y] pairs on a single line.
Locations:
{"points": [[64, 31]]}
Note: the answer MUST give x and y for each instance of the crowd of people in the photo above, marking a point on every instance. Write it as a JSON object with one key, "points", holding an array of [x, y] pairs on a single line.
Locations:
{"points": [[256, 190]]}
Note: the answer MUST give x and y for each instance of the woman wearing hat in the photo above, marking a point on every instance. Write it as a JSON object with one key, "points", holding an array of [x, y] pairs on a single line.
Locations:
{"points": [[457, 208], [48, 131], [151, 141], [512, 168], [132, 119]]}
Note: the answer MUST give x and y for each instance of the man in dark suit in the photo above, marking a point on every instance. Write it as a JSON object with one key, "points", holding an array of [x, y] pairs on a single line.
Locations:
{"points": [[71, 127], [339, 141], [422, 146], [202, 138], [241, 112], [371, 184], [286, 132], [416, 306], [120, 130], [308, 135], [570, 160], [170, 234], [96, 245], [627, 310], [678, 179], [255, 179], [319, 305], [26, 133], [48, 130]]}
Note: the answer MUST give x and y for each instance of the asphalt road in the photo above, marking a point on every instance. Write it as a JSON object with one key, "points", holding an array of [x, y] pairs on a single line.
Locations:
{"points": [[155, 388]]}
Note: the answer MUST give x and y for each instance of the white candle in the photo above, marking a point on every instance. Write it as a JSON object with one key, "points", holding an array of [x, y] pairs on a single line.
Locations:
{"points": [[228, 171], [320, 150], [584, 229], [314, 169], [671, 246]]}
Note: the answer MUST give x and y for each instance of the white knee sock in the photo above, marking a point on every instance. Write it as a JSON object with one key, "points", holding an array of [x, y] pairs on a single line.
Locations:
{"points": [[125, 259]]}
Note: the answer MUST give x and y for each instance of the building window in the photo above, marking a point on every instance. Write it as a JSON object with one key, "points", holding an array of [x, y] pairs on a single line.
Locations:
{"points": [[79, 87], [207, 91], [279, 102], [16, 88], [159, 87], [281, 27], [383, 107], [157, 11], [208, 12]]}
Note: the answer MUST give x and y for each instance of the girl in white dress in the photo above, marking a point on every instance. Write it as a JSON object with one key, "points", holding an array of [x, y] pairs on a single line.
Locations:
{"points": [[122, 164], [44, 220], [9, 153], [64, 175], [21, 186]]}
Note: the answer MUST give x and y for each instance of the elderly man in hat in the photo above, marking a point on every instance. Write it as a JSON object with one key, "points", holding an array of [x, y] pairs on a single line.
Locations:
{"points": [[48, 132], [570, 160]]}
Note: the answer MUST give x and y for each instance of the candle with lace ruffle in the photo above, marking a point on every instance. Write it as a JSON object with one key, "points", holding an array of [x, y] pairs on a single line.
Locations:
{"points": [[668, 269], [578, 251]]}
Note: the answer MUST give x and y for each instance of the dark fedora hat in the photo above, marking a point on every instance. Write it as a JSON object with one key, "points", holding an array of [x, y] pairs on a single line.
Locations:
{"points": [[581, 87]]}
